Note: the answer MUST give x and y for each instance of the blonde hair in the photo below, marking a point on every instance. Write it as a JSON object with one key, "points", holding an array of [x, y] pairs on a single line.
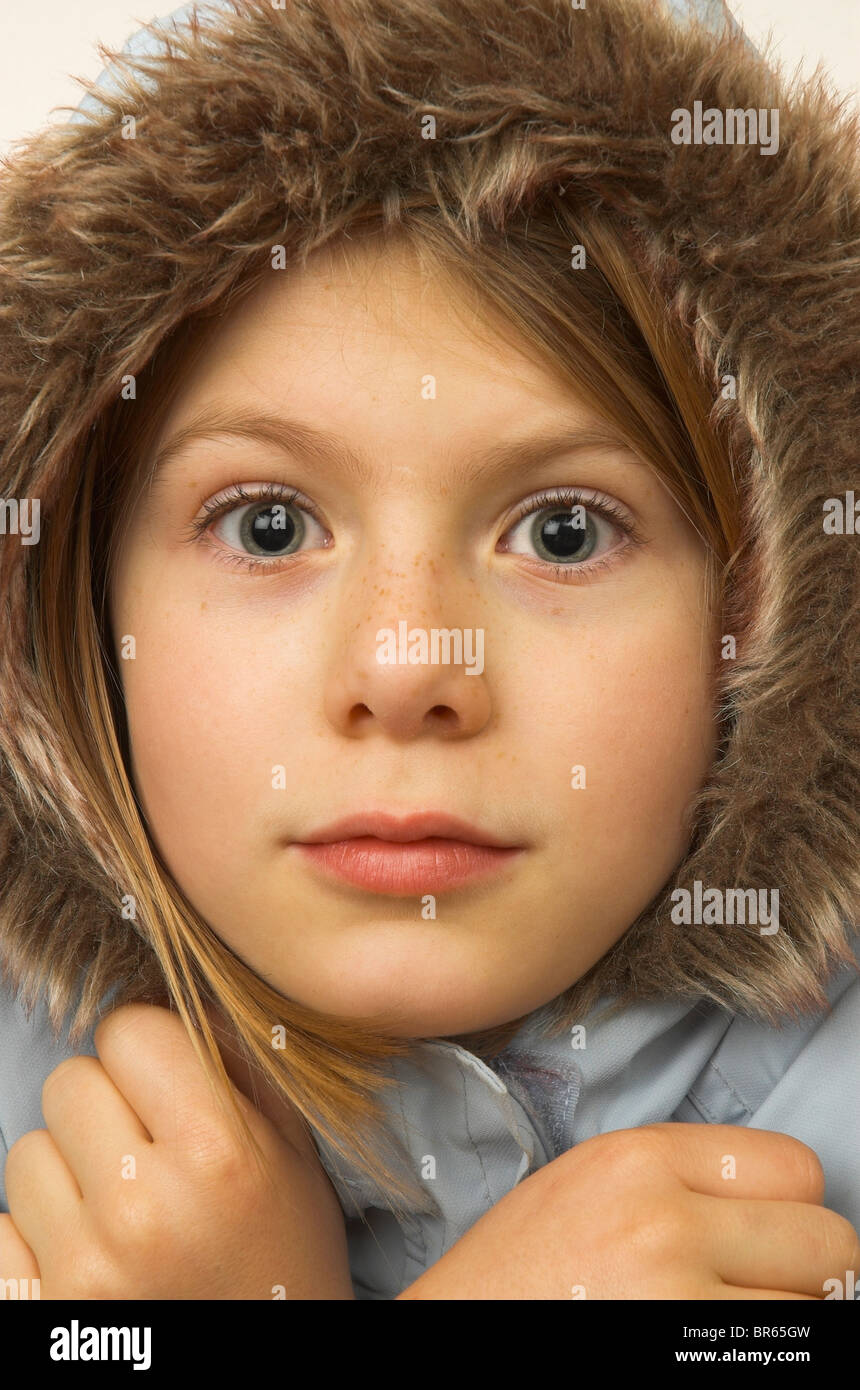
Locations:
{"points": [[606, 329]]}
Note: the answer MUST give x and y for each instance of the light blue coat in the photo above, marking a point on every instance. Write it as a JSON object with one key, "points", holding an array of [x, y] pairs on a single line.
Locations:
{"points": [[472, 1131]]}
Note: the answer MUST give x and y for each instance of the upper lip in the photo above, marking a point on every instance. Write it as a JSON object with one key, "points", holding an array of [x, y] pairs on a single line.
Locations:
{"points": [[403, 829]]}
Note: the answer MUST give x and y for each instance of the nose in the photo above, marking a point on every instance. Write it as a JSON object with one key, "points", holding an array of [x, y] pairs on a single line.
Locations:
{"points": [[407, 665]]}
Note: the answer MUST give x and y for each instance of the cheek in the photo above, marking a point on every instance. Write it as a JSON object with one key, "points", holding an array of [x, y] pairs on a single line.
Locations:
{"points": [[205, 727], [634, 709], [217, 698]]}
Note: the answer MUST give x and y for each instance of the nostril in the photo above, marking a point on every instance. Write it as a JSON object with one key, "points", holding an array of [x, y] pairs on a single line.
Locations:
{"points": [[445, 713], [359, 714]]}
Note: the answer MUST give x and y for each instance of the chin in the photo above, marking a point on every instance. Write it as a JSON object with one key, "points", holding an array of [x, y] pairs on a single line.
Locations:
{"points": [[391, 1012], [394, 1019], [406, 980]]}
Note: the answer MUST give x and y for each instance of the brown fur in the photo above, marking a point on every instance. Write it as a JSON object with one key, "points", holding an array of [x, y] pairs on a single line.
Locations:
{"points": [[278, 134]]}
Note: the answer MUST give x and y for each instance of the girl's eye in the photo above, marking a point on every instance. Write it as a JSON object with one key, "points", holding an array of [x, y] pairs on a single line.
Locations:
{"points": [[260, 528], [268, 529], [568, 529]]}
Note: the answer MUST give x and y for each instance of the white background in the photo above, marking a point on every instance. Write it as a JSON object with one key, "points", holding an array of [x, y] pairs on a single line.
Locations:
{"points": [[45, 43]]}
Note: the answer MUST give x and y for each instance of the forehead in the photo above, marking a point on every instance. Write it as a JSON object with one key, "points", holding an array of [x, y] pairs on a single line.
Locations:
{"points": [[365, 341], [377, 295]]}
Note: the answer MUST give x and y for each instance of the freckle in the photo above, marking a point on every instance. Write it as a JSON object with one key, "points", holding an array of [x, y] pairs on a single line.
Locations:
{"points": [[203, 605]]}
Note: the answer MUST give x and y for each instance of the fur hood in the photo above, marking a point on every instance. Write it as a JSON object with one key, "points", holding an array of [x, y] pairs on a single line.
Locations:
{"points": [[264, 126]]}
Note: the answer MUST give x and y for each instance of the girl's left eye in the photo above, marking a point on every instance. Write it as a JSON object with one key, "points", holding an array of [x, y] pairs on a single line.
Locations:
{"points": [[568, 529]]}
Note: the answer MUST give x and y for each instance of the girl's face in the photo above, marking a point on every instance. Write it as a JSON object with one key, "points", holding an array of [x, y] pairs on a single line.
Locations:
{"points": [[409, 489]]}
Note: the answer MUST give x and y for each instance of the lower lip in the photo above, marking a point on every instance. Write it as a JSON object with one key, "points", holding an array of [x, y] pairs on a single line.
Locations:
{"points": [[419, 866]]}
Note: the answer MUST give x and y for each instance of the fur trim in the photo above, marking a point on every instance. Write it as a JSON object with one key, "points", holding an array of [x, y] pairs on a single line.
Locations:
{"points": [[275, 127]]}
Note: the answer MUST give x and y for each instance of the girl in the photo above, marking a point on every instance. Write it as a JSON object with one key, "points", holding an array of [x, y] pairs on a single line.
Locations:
{"points": [[429, 663]]}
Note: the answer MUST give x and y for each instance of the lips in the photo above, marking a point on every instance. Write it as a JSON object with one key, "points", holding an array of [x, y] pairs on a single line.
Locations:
{"points": [[404, 829], [427, 852]]}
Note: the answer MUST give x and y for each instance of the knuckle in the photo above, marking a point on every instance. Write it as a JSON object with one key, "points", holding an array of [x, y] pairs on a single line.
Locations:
{"points": [[625, 1152], [67, 1073], [811, 1171], [804, 1161], [840, 1242], [59, 1077], [213, 1152], [117, 1022], [659, 1233], [24, 1150]]}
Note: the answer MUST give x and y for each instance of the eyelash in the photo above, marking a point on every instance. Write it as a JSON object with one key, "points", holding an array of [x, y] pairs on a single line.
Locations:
{"points": [[236, 495]]}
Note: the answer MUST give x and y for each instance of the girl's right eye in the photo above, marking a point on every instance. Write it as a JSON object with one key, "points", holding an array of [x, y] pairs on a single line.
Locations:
{"points": [[270, 530], [261, 527]]}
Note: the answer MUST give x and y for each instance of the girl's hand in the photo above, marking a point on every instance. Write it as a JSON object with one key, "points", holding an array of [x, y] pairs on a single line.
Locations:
{"points": [[137, 1189], [655, 1212]]}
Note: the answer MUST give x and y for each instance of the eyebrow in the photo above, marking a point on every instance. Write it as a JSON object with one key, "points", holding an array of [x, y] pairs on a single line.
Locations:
{"points": [[298, 437]]}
